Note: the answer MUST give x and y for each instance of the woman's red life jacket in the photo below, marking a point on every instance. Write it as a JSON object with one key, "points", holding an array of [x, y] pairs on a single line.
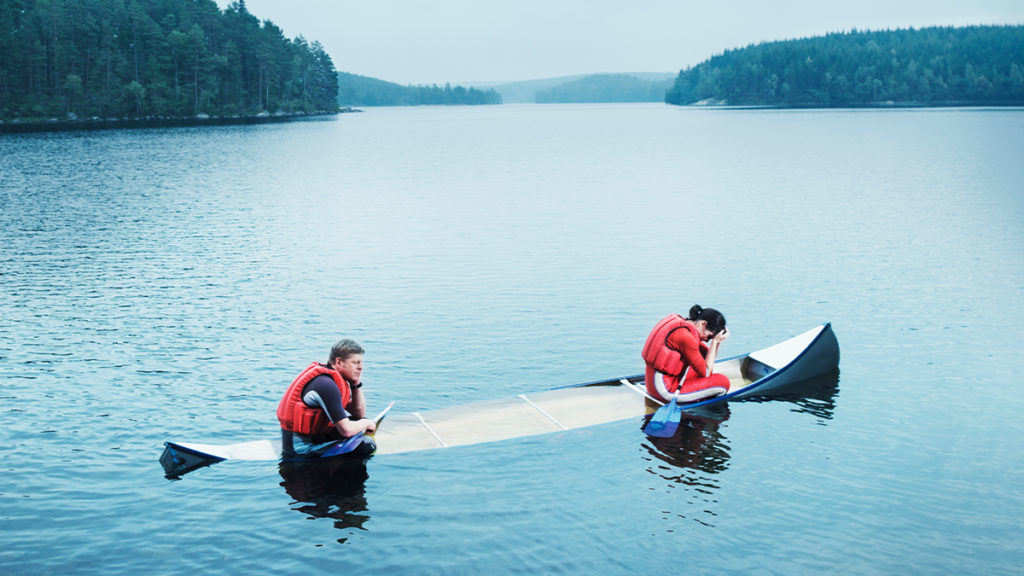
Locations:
{"points": [[658, 354], [293, 413]]}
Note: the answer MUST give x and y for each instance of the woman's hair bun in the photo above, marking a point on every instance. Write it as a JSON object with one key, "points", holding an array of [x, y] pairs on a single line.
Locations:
{"points": [[695, 311]]}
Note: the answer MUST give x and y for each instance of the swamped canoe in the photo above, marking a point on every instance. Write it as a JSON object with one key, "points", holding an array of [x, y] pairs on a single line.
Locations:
{"points": [[181, 457], [806, 355], [756, 374], [518, 416]]}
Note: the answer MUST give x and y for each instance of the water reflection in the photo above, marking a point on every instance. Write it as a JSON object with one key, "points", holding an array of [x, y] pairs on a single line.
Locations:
{"points": [[815, 396], [697, 443], [330, 488], [693, 457]]}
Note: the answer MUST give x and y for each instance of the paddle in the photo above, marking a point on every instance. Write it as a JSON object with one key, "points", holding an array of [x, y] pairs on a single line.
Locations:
{"points": [[344, 447], [665, 421], [354, 442]]}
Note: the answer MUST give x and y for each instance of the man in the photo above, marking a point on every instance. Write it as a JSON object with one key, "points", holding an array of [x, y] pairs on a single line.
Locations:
{"points": [[325, 403]]}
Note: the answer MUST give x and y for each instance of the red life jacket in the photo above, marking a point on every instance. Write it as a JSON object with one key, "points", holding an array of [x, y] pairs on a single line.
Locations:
{"points": [[658, 354], [293, 413]]}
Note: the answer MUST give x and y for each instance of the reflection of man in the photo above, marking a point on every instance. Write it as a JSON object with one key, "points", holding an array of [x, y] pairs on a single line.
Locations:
{"points": [[325, 403], [328, 488]]}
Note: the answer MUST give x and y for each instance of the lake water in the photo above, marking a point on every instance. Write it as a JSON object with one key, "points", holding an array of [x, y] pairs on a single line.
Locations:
{"points": [[168, 284]]}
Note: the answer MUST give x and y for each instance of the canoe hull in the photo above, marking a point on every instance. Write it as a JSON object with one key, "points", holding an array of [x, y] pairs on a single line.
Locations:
{"points": [[756, 374], [818, 356], [765, 371]]}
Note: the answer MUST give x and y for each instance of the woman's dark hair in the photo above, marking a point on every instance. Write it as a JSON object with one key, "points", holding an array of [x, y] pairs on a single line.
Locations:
{"points": [[714, 318]]}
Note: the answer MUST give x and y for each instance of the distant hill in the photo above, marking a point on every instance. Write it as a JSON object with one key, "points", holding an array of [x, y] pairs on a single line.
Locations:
{"points": [[527, 90], [523, 91], [974, 65], [355, 90], [606, 88]]}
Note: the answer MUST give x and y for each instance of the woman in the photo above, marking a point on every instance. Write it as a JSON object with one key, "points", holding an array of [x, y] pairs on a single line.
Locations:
{"points": [[680, 356]]}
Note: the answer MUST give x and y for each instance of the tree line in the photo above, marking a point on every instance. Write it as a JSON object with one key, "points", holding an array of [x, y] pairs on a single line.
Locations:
{"points": [[604, 88], [142, 58], [941, 65], [356, 90]]}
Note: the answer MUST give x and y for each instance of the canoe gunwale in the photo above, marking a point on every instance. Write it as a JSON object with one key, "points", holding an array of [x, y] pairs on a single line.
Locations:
{"points": [[174, 448], [757, 385], [765, 382], [816, 356]]}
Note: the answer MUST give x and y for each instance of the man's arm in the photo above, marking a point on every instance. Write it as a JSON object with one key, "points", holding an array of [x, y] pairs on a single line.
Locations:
{"points": [[322, 393], [349, 428], [357, 405], [356, 422]]}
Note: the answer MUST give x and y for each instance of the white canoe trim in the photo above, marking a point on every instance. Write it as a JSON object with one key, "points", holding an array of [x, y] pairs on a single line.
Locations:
{"points": [[641, 391], [255, 450], [783, 353], [429, 429], [542, 411]]}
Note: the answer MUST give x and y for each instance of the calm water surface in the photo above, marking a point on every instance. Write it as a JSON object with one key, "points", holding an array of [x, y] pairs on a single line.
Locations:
{"points": [[168, 284]]}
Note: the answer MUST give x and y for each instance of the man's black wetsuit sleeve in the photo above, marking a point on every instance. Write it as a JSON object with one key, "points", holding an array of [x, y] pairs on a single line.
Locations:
{"points": [[323, 393]]}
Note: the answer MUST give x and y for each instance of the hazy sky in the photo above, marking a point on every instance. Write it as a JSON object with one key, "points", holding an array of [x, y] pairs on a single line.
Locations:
{"points": [[462, 41]]}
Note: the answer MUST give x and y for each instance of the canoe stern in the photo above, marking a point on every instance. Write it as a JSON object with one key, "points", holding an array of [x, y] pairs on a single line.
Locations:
{"points": [[807, 355]]}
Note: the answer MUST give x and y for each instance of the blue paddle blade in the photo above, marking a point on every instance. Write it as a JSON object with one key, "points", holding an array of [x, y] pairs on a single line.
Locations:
{"points": [[344, 447], [665, 421]]}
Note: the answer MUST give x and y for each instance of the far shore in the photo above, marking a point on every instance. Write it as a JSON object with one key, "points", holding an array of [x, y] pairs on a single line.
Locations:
{"points": [[96, 123], [723, 104]]}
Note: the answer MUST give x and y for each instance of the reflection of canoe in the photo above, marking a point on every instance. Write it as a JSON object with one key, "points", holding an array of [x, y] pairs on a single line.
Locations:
{"points": [[809, 354]]}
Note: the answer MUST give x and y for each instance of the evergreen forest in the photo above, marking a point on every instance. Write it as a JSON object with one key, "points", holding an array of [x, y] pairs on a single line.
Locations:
{"points": [[604, 88], [355, 90], [975, 65], [70, 59]]}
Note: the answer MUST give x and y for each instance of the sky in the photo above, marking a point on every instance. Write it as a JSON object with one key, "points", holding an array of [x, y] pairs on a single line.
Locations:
{"points": [[492, 41]]}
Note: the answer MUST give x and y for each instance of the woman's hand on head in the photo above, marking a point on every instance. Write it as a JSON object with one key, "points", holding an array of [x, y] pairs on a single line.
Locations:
{"points": [[721, 336]]}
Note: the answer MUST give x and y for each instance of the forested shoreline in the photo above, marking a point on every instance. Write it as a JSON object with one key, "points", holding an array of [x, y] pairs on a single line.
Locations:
{"points": [[604, 88], [163, 62], [356, 90], [154, 60], [974, 65]]}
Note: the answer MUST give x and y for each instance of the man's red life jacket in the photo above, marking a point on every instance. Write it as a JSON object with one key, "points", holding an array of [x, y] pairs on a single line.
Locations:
{"points": [[293, 413], [658, 354]]}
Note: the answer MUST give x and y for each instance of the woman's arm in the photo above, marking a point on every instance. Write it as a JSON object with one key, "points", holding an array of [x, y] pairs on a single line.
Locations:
{"points": [[713, 349], [690, 348]]}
